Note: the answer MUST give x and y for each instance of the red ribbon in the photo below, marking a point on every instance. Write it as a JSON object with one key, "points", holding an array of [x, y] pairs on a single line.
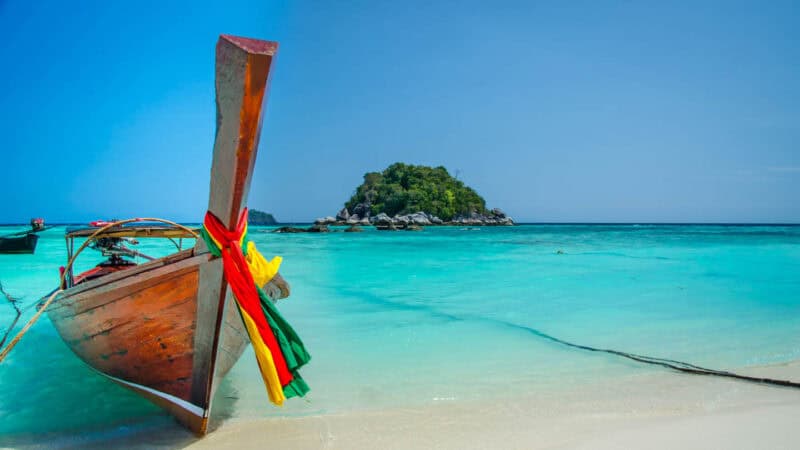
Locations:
{"points": [[237, 274]]}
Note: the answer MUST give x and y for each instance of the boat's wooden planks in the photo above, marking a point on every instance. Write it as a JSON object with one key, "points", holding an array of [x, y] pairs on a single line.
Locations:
{"points": [[211, 289], [127, 283], [128, 273], [232, 341], [243, 69], [144, 337]]}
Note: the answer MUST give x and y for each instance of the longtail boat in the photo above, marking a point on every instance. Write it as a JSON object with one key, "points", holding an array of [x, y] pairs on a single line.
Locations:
{"points": [[170, 328], [24, 241]]}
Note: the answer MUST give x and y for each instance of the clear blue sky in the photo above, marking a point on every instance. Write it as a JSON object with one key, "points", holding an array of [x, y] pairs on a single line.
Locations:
{"points": [[554, 111]]}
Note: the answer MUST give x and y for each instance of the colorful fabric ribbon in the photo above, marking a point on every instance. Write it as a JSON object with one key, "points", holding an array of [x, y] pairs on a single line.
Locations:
{"points": [[279, 351]]}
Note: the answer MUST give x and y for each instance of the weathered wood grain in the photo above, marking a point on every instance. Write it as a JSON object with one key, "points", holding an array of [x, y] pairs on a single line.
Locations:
{"points": [[140, 329], [243, 68]]}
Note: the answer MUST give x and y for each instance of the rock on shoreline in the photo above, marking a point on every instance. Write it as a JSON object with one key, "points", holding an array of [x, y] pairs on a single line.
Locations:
{"points": [[360, 217], [382, 221], [408, 222]]}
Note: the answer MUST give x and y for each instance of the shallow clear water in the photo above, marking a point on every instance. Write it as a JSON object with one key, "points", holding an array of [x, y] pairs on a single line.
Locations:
{"points": [[413, 318]]}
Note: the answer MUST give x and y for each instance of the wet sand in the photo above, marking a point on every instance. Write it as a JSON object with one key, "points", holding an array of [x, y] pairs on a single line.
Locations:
{"points": [[653, 411]]}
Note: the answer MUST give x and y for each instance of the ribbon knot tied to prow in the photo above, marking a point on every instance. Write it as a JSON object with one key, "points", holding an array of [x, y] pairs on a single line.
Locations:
{"points": [[279, 351]]}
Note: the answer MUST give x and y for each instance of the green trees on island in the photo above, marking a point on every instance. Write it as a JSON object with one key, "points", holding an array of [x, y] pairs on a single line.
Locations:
{"points": [[405, 188]]}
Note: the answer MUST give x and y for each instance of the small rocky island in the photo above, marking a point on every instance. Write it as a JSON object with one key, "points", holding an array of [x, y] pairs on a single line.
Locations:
{"points": [[408, 197], [256, 217]]}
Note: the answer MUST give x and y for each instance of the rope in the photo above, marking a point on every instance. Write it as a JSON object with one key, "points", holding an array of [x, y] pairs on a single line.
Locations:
{"points": [[13, 302], [668, 363], [29, 324]]}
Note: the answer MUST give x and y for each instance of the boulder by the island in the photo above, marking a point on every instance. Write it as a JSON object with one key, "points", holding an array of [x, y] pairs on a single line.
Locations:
{"points": [[497, 212], [419, 218], [343, 215], [327, 220], [436, 221], [290, 230], [401, 220], [317, 228], [354, 219], [362, 210], [472, 219], [385, 227], [353, 229], [413, 227], [381, 218]]}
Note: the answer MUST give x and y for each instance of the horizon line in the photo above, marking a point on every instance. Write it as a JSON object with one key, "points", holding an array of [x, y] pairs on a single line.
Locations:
{"points": [[516, 223]]}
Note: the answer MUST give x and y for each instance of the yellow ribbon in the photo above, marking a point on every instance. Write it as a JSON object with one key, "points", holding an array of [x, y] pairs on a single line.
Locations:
{"points": [[262, 270], [265, 362]]}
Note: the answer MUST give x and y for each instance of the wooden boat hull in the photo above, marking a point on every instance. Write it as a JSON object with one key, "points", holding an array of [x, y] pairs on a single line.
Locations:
{"points": [[169, 328], [137, 327], [19, 244]]}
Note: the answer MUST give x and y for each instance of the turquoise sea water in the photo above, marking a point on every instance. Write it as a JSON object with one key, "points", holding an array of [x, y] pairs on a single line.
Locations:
{"points": [[396, 319]]}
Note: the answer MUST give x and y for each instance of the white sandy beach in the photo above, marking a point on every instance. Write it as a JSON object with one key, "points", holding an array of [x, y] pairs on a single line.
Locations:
{"points": [[653, 411]]}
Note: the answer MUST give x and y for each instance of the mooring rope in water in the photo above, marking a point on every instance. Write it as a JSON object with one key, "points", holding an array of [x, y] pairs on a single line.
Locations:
{"points": [[664, 362], [13, 302], [29, 324], [668, 363]]}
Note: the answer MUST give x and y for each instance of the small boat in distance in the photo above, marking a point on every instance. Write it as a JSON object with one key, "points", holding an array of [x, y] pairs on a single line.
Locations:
{"points": [[169, 328], [24, 241]]}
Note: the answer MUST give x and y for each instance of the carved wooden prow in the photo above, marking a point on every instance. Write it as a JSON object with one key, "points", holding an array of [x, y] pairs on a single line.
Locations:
{"points": [[242, 78]]}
